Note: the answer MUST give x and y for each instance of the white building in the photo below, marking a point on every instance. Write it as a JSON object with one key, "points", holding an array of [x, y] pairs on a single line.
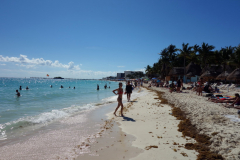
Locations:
{"points": [[120, 75]]}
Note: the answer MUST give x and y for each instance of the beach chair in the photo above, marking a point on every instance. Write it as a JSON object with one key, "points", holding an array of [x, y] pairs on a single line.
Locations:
{"points": [[221, 86], [232, 87]]}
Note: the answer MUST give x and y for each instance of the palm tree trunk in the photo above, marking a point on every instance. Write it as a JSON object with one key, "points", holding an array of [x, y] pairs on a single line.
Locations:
{"points": [[184, 71]]}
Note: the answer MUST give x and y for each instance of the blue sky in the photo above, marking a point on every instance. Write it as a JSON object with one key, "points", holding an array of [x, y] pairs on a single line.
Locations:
{"points": [[99, 38]]}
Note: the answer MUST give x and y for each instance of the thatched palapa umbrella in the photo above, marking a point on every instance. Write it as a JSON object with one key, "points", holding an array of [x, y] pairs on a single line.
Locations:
{"points": [[176, 72], [235, 75], [224, 74], [193, 69], [207, 75]]}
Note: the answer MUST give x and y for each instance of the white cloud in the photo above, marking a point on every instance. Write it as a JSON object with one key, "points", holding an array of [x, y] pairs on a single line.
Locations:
{"points": [[27, 66], [3, 64], [120, 66], [38, 61]]}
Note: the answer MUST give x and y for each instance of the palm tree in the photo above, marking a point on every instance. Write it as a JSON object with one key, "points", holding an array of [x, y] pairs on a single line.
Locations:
{"points": [[205, 52], [164, 61], [225, 55], [186, 53], [235, 57], [148, 70], [171, 50]]}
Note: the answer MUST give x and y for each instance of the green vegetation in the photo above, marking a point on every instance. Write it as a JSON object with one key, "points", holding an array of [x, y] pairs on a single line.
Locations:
{"points": [[203, 55], [135, 75]]}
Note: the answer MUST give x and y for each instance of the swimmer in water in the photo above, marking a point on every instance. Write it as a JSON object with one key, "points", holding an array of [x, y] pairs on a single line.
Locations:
{"points": [[119, 99], [97, 87], [73, 87], [27, 88], [61, 86], [18, 94], [51, 86], [20, 88]]}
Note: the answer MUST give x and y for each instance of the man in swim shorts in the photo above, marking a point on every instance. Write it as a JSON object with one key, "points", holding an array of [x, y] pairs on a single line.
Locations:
{"points": [[128, 90]]}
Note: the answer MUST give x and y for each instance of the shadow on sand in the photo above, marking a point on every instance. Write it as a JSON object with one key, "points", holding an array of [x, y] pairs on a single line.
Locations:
{"points": [[128, 119], [133, 101]]}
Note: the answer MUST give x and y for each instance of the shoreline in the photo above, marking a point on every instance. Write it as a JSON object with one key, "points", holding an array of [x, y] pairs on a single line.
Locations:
{"points": [[154, 132], [158, 128]]}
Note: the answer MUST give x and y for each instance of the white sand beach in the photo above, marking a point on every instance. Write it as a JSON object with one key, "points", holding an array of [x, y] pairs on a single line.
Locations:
{"points": [[150, 131], [221, 124]]}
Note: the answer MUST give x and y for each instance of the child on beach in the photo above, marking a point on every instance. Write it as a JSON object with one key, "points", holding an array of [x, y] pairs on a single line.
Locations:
{"points": [[119, 99]]}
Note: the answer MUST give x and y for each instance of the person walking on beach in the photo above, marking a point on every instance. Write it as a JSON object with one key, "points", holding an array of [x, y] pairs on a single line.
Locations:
{"points": [[178, 85], [200, 87], [128, 90], [181, 83], [119, 99]]}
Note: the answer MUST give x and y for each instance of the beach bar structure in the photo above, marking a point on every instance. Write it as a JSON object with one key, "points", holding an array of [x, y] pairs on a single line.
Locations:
{"points": [[192, 73], [175, 73]]}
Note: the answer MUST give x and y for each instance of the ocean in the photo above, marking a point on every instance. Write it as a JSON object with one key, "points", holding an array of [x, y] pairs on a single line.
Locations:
{"points": [[50, 119]]}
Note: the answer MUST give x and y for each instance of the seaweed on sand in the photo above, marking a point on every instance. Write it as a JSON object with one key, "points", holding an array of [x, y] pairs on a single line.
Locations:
{"points": [[188, 129]]}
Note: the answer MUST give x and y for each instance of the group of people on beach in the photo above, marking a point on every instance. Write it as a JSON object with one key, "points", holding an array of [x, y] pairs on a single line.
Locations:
{"points": [[128, 91], [231, 102]]}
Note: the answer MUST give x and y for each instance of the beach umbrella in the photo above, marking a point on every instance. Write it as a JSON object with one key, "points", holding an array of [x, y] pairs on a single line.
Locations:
{"points": [[235, 75], [209, 75], [176, 71], [225, 73], [193, 69]]}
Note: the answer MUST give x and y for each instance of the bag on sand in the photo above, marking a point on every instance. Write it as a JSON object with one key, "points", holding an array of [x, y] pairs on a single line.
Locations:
{"points": [[209, 95]]}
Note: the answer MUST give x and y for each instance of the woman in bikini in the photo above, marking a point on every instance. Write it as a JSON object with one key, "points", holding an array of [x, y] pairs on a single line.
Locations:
{"points": [[119, 99]]}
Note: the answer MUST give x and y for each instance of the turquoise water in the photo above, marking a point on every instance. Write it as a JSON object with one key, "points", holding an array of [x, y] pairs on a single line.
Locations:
{"points": [[42, 104]]}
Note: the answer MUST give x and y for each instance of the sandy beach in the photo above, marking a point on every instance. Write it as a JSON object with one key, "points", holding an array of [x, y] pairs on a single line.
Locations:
{"points": [[149, 129]]}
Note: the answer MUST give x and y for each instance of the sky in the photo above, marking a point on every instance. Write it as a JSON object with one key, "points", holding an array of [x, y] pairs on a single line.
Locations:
{"points": [[100, 38]]}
